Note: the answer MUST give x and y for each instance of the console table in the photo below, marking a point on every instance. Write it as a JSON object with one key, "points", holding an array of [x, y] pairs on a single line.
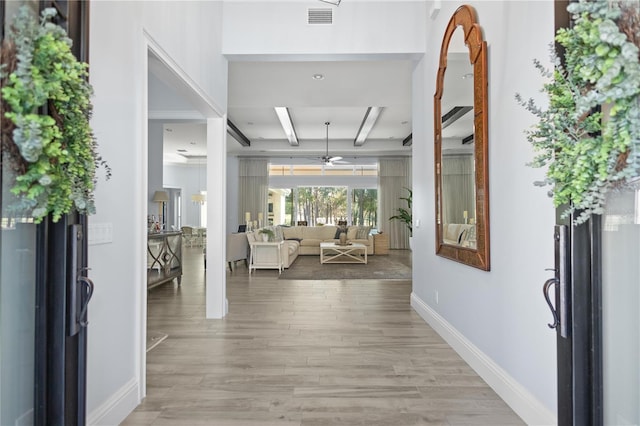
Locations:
{"points": [[164, 257]]}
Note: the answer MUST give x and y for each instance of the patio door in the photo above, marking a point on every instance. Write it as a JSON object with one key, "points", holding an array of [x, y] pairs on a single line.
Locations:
{"points": [[597, 315], [620, 307], [573, 293]]}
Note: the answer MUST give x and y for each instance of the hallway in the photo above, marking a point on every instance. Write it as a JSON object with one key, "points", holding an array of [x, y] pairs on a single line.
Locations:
{"points": [[304, 353]]}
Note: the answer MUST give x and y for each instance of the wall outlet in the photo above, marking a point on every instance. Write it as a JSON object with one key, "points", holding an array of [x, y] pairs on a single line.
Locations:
{"points": [[436, 297]]}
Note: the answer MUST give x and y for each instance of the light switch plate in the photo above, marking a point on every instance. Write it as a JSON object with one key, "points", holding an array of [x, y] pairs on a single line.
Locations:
{"points": [[100, 233]]}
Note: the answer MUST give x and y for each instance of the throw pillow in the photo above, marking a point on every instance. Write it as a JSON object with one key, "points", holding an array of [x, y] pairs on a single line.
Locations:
{"points": [[351, 232], [363, 232], [462, 236], [279, 235]]}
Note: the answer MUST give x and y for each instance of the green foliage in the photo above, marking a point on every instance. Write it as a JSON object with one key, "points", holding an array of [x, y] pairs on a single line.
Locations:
{"points": [[269, 232], [589, 135], [58, 148], [404, 215]]}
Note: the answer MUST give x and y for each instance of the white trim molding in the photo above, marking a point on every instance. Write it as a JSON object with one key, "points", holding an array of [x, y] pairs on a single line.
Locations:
{"points": [[168, 71], [190, 116], [525, 405], [115, 409]]}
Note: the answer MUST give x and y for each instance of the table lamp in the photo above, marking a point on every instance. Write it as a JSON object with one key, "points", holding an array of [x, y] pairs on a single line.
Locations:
{"points": [[160, 197]]}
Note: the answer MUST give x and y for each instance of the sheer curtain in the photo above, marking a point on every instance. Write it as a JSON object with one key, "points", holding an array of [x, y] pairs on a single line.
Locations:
{"points": [[253, 187], [458, 190], [394, 178]]}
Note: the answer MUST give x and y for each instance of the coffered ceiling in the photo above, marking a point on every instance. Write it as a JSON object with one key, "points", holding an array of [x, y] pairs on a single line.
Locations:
{"points": [[315, 92]]}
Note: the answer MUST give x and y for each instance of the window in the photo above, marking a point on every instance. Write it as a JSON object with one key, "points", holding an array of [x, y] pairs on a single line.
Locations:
{"points": [[322, 170], [364, 207], [320, 194], [323, 205]]}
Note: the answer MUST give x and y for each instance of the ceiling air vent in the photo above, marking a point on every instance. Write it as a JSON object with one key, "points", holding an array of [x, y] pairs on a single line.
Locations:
{"points": [[320, 16]]}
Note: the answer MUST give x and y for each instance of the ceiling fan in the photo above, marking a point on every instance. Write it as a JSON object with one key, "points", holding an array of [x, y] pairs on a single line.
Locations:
{"points": [[327, 159]]}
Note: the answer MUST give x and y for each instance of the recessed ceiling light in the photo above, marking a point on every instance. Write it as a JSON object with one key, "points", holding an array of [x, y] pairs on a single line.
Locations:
{"points": [[192, 143], [467, 75], [168, 129], [404, 122], [250, 123], [318, 77], [182, 150]]}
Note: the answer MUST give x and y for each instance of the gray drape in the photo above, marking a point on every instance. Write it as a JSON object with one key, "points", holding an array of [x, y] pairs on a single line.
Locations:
{"points": [[458, 189], [253, 188], [394, 177]]}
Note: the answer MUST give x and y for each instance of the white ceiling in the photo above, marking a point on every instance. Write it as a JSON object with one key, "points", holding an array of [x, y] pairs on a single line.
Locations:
{"points": [[341, 97]]}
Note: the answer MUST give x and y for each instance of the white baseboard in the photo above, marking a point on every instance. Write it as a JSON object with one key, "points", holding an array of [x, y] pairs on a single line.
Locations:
{"points": [[115, 409], [525, 405]]}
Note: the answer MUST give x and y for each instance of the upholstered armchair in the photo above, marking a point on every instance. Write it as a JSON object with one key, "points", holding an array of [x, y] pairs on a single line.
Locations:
{"points": [[237, 249], [188, 235]]}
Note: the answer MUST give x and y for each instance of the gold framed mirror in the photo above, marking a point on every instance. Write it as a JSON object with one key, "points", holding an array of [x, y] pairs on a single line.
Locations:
{"points": [[461, 143]]}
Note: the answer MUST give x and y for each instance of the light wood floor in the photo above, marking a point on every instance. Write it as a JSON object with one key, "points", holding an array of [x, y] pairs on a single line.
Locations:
{"points": [[304, 353]]}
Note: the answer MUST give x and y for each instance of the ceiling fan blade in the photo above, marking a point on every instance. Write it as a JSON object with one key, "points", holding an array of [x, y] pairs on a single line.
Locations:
{"points": [[337, 158]]}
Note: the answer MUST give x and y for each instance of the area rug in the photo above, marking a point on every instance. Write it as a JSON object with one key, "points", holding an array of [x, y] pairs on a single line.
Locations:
{"points": [[377, 267]]}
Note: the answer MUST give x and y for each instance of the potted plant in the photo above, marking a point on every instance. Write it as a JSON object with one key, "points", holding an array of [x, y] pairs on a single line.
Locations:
{"points": [[404, 215], [52, 154], [588, 137], [267, 234]]}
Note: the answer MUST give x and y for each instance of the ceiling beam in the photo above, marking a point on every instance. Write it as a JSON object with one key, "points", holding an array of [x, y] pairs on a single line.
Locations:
{"points": [[237, 134], [287, 125], [454, 114], [367, 124]]}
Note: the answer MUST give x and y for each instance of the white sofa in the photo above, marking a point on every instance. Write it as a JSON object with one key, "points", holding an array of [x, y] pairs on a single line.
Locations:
{"points": [[305, 240], [459, 234], [310, 237]]}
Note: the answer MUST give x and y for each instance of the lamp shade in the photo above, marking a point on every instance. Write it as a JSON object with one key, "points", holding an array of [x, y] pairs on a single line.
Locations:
{"points": [[160, 197], [198, 198]]}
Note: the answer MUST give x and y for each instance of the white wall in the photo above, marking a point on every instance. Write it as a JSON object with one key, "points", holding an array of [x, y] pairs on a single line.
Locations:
{"points": [[119, 77], [155, 137], [186, 178], [359, 28], [500, 313]]}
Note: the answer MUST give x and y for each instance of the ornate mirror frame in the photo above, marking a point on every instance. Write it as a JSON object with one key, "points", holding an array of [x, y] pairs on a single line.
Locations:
{"points": [[465, 17]]}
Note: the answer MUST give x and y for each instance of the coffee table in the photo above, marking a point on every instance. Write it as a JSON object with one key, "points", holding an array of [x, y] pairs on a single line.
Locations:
{"points": [[350, 253]]}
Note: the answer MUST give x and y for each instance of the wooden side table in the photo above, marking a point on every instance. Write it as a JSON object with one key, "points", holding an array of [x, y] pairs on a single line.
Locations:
{"points": [[380, 244]]}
